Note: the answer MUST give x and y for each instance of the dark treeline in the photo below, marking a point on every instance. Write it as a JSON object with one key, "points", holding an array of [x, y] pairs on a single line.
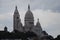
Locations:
{"points": [[22, 35], [51, 38], [57, 38], [16, 35]]}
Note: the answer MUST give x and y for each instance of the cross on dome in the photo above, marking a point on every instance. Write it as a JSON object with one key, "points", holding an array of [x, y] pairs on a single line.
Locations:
{"points": [[16, 7], [28, 7]]}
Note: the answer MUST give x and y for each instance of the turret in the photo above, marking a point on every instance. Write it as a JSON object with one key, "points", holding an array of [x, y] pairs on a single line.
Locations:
{"points": [[5, 29], [38, 29], [16, 20], [38, 25]]}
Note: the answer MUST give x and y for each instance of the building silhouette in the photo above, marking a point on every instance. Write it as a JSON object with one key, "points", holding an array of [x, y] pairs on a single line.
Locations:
{"points": [[27, 32]]}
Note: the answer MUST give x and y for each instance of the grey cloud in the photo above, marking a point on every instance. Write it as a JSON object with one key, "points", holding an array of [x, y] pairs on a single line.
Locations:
{"points": [[53, 29], [53, 5], [6, 22], [9, 5]]}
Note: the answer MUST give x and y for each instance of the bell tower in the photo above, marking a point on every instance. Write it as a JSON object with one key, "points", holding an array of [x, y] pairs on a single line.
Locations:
{"points": [[16, 20]]}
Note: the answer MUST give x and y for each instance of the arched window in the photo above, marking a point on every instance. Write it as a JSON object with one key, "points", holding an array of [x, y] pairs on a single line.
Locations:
{"points": [[17, 17]]}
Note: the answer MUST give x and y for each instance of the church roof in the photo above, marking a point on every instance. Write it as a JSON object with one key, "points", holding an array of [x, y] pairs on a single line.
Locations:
{"points": [[29, 14]]}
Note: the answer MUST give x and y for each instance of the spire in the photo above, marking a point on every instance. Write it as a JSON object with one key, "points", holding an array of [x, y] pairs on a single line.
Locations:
{"points": [[16, 7], [28, 7], [16, 10]]}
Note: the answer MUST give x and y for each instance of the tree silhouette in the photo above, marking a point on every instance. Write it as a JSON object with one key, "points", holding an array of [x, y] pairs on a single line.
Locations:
{"points": [[57, 38]]}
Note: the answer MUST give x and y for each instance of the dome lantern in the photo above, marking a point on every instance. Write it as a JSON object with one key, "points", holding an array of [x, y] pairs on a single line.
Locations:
{"points": [[28, 7]]}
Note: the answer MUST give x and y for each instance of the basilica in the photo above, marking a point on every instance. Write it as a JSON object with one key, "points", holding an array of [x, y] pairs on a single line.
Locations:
{"points": [[28, 21], [28, 31]]}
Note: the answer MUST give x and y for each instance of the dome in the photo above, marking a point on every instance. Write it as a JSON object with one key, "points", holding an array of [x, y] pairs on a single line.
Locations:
{"points": [[29, 14], [38, 23]]}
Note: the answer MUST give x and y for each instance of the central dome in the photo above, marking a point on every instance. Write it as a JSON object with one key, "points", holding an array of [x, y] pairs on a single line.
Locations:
{"points": [[29, 14]]}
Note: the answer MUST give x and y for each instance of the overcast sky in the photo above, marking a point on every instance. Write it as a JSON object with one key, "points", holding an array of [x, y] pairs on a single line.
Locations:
{"points": [[48, 12]]}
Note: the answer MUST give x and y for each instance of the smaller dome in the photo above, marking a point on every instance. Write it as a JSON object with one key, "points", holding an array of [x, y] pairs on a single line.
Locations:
{"points": [[38, 23], [29, 14]]}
